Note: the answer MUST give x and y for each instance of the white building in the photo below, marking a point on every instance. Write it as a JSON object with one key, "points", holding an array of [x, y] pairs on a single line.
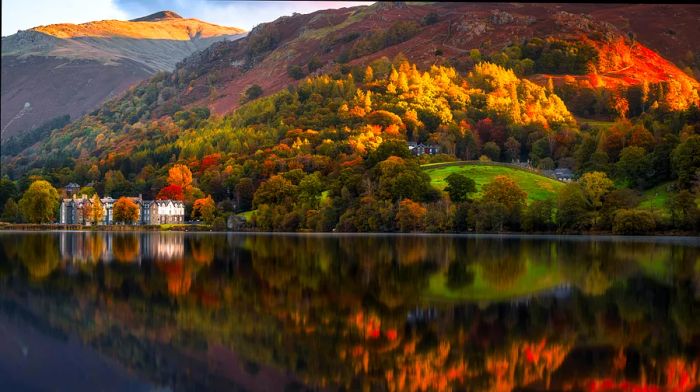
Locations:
{"points": [[151, 212]]}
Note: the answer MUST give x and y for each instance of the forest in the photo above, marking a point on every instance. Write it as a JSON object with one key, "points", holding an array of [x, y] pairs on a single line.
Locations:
{"points": [[330, 152]]}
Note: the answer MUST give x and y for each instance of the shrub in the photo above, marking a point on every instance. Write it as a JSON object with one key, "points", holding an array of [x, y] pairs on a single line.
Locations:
{"points": [[219, 224], [431, 18], [252, 93], [295, 72], [633, 221]]}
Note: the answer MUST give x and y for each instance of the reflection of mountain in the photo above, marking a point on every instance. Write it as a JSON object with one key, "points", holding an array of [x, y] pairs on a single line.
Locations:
{"points": [[317, 308]]}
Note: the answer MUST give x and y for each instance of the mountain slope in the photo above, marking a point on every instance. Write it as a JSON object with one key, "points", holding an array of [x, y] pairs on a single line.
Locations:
{"points": [[70, 69], [434, 33]]}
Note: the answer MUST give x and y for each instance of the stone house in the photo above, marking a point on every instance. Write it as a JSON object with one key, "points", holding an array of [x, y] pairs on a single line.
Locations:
{"points": [[151, 212]]}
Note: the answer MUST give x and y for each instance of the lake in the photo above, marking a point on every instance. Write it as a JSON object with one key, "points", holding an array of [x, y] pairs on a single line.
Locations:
{"points": [[272, 312]]}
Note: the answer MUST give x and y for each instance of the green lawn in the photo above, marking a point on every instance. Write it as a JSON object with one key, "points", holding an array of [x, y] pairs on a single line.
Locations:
{"points": [[655, 199], [537, 187], [536, 277], [595, 123], [247, 215]]}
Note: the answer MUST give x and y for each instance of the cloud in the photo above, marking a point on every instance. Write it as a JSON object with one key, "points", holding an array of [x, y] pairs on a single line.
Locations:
{"points": [[19, 14], [22, 15]]}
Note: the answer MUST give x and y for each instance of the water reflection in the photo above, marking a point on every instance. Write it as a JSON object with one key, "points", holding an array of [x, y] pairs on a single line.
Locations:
{"points": [[367, 312]]}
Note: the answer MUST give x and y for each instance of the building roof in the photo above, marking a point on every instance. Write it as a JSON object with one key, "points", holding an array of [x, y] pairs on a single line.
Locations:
{"points": [[72, 185]]}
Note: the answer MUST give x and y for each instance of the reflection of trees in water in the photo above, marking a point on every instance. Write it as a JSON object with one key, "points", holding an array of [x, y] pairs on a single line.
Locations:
{"points": [[501, 265], [202, 248], [593, 280], [39, 254], [95, 246], [125, 247], [178, 276], [458, 276], [296, 306]]}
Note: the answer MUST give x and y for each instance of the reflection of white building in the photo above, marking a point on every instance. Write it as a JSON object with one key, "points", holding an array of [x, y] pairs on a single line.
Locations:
{"points": [[80, 247], [163, 246], [85, 246]]}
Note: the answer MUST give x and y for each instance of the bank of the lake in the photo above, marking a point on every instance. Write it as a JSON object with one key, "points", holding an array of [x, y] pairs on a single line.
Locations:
{"points": [[209, 228]]}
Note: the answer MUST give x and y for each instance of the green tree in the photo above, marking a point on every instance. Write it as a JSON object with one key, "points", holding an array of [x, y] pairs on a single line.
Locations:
{"points": [[245, 190], [634, 166], [459, 187], [8, 190], [539, 215], [685, 213], [10, 212], [87, 190], [633, 221], [492, 151], [310, 190], [116, 184], [685, 160], [39, 203], [572, 209], [595, 185]]}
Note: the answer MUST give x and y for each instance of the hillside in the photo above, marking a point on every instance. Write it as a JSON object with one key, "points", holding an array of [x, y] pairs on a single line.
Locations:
{"points": [[71, 69], [538, 187], [430, 34]]}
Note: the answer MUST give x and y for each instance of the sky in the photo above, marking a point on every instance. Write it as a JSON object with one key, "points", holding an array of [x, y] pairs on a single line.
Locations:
{"points": [[25, 14]]}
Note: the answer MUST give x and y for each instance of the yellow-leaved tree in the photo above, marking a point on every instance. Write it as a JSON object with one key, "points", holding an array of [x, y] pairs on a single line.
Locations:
{"points": [[97, 212]]}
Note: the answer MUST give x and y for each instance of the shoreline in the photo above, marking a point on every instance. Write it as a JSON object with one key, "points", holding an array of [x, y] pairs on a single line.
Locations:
{"points": [[194, 228]]}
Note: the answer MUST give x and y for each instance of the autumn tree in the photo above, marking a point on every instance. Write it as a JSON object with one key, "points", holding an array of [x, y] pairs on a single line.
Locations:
{"points": [[180, 175], [125, 210], [410, 216], [171, 192], [595, 185], [39, 203], [505, 190], [97, 213], [275, 190], [206, 208]]}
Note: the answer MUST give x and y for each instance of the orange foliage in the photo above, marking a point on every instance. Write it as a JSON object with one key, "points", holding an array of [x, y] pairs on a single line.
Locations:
{"points": [[180, 175], [171, 192], [209, 161]]}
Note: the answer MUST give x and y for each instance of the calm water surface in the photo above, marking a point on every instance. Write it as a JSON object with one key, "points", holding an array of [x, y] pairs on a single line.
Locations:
{"points": [[176, 311]]}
